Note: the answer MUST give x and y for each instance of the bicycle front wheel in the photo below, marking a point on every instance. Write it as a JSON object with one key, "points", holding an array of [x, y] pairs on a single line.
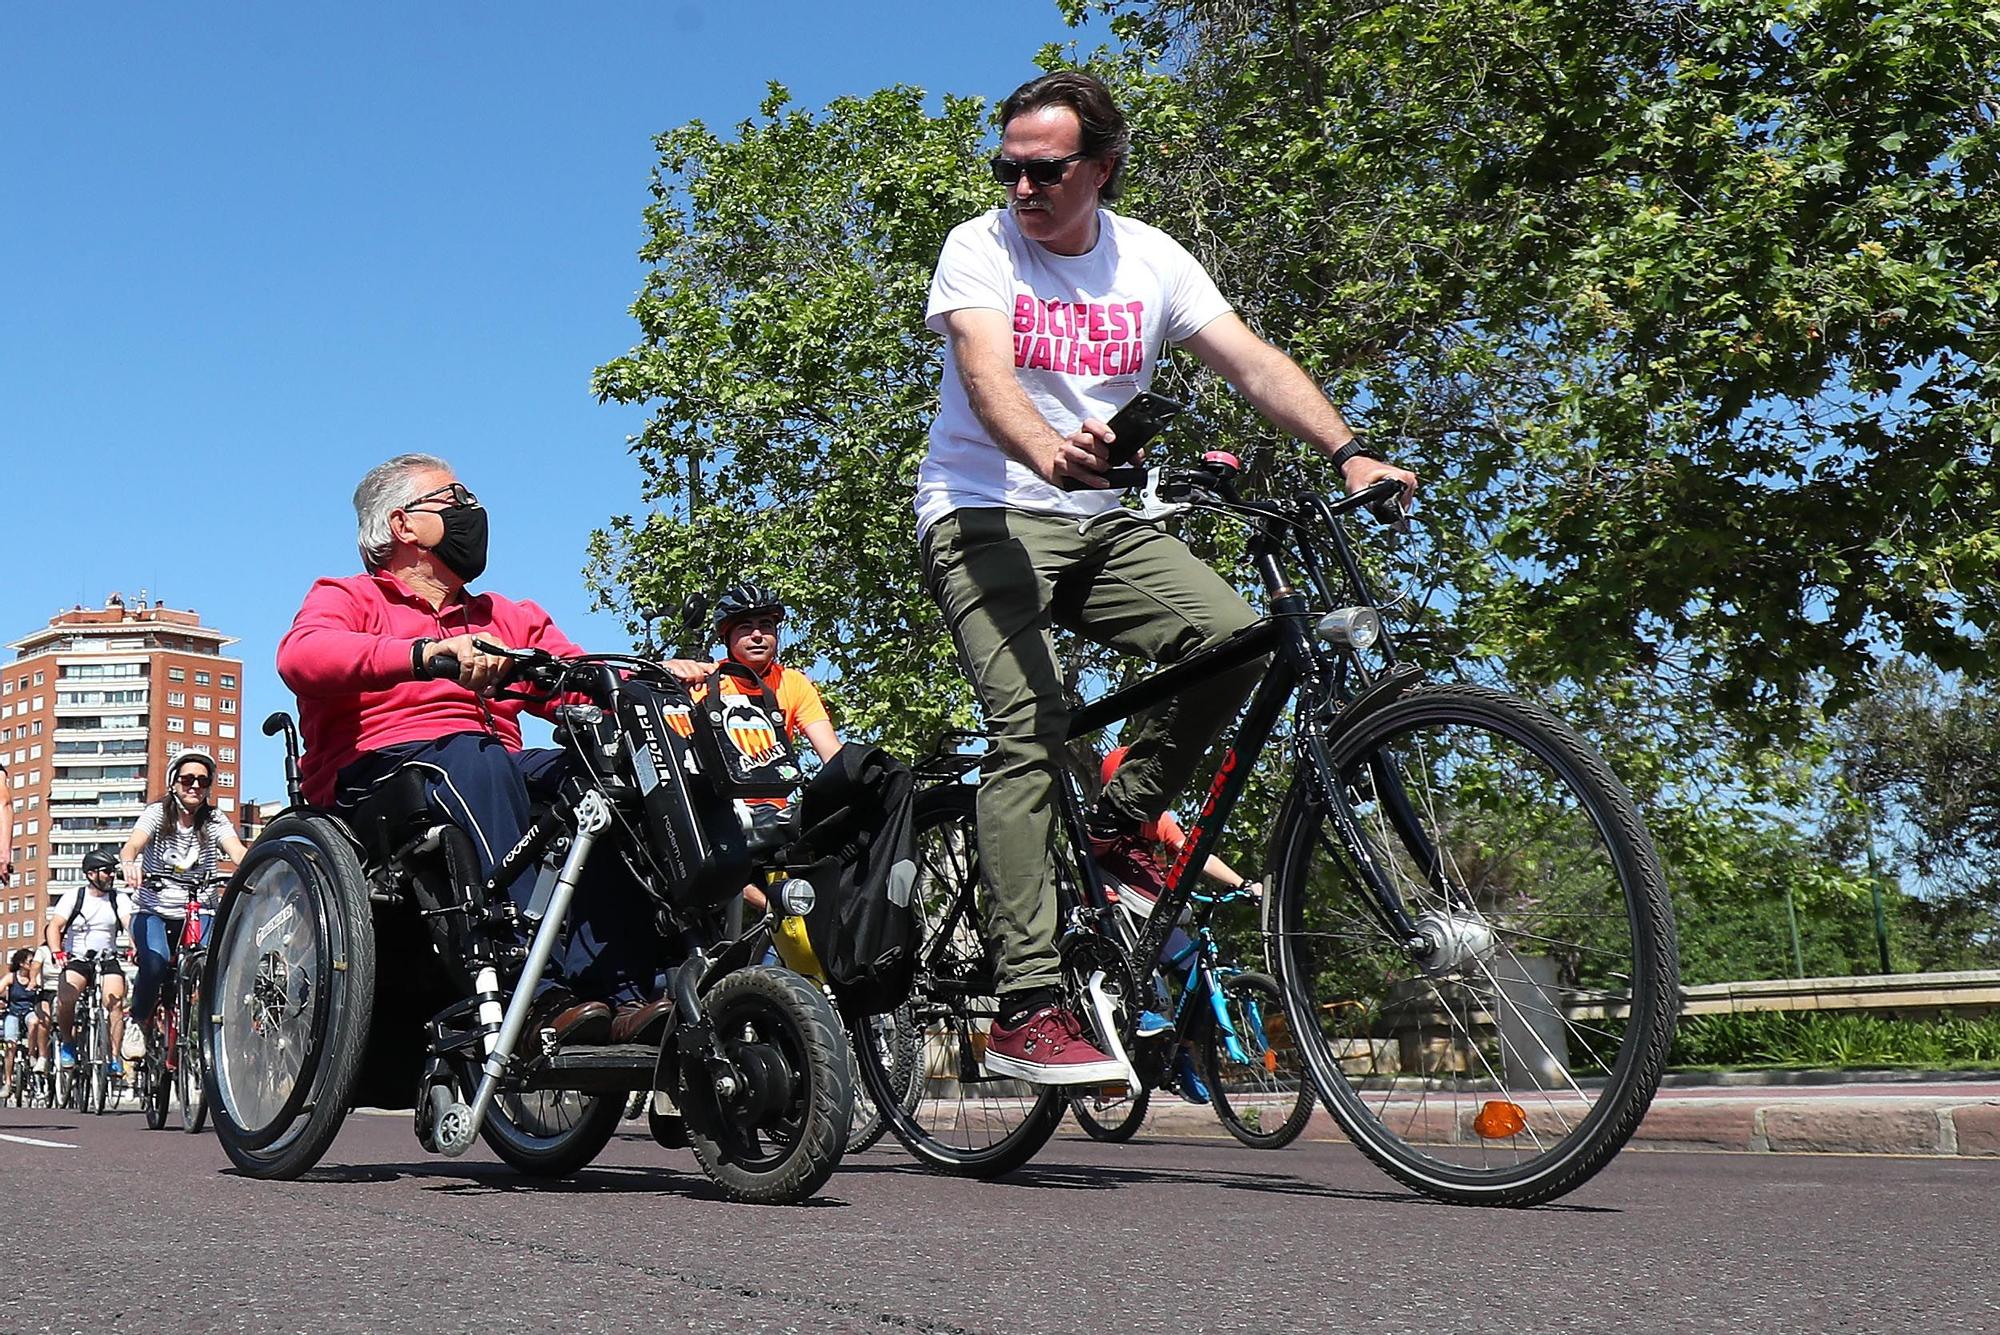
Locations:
{"points": [[962, 1120], [1256, 1075], [1505, 1049], [190, 1084]]}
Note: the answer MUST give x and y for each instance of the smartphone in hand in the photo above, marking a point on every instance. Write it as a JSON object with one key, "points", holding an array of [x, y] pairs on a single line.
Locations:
{"points": [[1134, 427]]}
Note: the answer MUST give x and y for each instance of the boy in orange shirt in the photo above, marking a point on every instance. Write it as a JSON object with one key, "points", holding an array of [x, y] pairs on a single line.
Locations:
{"points": [[747, 618]]}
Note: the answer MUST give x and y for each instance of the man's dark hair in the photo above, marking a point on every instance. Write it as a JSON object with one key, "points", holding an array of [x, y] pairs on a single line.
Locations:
{"points": [[1105, 134]]}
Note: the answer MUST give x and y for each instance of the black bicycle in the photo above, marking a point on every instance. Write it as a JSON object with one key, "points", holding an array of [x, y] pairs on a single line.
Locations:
{"points": [[1465, 910]]}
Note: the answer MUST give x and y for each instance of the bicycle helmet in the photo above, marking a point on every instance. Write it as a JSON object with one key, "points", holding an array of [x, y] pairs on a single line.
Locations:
{"points": [[100, 859], [186, 758], [744, 600]]}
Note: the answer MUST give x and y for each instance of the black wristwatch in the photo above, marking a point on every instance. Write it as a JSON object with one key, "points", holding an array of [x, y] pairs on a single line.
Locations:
{"points": [[417, 658], [1355, 446]]}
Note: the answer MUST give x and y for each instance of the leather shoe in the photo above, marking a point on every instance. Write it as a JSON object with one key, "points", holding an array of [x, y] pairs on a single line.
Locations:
{"points": [[640, 1021], [573, 1021]]}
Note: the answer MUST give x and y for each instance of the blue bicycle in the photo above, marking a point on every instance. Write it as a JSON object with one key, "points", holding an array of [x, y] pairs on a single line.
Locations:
{"points": [[1229, 1022]]}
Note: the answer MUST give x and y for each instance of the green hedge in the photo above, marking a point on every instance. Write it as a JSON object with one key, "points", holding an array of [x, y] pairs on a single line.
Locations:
{"points": [[1819, 1039]]}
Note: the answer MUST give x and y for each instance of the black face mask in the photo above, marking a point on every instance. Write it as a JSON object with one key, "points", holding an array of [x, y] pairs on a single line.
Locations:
{"points": [[463, 547]]}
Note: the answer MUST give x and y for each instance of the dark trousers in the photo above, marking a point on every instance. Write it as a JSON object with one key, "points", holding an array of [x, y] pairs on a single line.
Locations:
{"points": [[611, 950]]}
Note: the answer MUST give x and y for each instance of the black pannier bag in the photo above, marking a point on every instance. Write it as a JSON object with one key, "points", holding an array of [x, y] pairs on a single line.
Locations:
{"points": [[859, 851], [741, 739], [692, 829]]}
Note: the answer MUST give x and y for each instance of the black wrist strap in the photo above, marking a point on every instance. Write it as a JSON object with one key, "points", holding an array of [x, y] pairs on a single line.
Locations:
{"points": [[1356, 447], [417, 657]]}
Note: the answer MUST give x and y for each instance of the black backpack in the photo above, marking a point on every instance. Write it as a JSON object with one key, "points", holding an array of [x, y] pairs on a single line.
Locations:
{"points": [[859, 851]]}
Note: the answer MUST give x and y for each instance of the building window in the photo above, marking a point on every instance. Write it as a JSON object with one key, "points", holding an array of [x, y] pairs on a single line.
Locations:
{"points": [[203, 702], [35, 751], [225, 804], [228, 681], [176, 674], [201, 679], [225, 729], [201, 727], [38, 679], [6, 688], [226, 779], [227, 755], [228, 705], [36, 730], [175, 748], [177, 725], [177, 699]]}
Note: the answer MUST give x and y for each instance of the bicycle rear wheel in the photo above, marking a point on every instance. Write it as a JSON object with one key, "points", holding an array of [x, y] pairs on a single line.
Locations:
{"points": [[1256, 1075], [155, 1086], [962, 1120], [100, 1063], [1507, 1051]]}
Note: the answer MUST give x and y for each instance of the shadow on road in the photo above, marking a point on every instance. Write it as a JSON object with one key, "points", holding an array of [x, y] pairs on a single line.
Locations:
{"points": [[482, 1179], [1100, 1177]]}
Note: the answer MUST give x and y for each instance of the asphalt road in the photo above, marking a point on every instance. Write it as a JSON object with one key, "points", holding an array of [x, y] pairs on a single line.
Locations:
{"points": [[156, 1233]]}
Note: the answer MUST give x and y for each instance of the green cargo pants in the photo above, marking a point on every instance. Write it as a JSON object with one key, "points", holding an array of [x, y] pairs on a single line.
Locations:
{"points": [[1005, 580]]}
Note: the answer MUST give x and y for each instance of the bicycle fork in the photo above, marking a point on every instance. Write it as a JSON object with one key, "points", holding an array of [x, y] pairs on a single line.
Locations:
{"points": [[458, 1125]]}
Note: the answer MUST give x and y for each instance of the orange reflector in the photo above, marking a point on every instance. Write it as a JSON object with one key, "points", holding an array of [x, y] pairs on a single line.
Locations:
{"points": [[1270, 1062], [1499, 1119]]}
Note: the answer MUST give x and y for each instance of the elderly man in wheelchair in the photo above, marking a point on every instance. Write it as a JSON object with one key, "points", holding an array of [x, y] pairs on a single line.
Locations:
{"points": [[509, 940]]}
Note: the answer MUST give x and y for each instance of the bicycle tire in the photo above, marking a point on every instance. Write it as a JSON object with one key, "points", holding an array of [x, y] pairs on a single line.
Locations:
{"points": [[1504, 832], [1275, 1076], [906, 1072], [290, 992], [100, 1066], [190, 1065], [1000, 1124], [155, 1089], [1112, 1120]]}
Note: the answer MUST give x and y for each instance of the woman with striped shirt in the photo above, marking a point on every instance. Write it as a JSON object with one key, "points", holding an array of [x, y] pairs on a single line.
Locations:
{"points": [[177, 845]]}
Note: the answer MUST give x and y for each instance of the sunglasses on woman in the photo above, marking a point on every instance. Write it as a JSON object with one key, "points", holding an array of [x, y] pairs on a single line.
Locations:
{"points": [[192, 781], [1042, 171]]}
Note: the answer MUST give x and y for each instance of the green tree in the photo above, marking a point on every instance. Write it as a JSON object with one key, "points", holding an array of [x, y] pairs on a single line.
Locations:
{"points": [[793, 382]]}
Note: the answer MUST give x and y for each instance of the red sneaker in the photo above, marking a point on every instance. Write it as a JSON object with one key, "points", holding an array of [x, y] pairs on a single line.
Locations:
{"points": [[1131, 871], [1049, 1049]]}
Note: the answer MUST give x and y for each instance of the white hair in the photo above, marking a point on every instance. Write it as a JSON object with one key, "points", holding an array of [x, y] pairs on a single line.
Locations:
{"points": [[382, 492]]}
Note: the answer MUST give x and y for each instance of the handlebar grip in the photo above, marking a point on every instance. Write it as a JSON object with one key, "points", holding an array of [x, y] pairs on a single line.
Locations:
{"points": [[439, 667]]}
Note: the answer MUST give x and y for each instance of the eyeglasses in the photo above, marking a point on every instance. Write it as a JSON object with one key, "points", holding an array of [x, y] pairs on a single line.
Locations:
{"points": [[1042, 171], [192, 781], [452, 493]]}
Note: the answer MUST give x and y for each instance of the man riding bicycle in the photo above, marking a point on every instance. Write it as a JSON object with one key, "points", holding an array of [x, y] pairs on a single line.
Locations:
{"points": [[176, 846], [87, 920], [357, 656], [1055, 312]]}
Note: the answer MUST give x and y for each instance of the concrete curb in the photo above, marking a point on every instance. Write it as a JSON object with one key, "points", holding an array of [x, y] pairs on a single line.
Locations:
{"points": [[1872, 1124]]}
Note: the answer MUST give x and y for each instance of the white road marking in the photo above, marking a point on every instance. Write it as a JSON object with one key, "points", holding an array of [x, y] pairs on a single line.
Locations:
{"points": [[43, 1144]]}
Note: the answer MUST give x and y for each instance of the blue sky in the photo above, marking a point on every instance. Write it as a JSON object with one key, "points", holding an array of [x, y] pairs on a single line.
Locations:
{"points": [[246, 251]]}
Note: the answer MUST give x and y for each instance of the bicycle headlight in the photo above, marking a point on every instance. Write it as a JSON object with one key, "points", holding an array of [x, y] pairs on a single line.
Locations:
{"points": [[1350, 627], [797, 897]]}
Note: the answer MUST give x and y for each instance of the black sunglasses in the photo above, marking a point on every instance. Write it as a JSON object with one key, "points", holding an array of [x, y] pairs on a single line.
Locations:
{"points": [[1042, 171], [454, 492]]}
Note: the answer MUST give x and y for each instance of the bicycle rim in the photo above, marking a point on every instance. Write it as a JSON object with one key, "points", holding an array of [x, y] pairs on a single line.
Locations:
{"points": [[961, 1120], [1509, 1059]]}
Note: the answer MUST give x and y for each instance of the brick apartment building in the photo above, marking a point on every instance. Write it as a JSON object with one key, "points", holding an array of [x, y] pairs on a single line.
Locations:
{"points": [[92, 708]]}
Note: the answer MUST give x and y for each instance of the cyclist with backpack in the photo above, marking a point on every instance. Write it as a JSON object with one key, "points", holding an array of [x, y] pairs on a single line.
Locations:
{"points": [[747, 618], [83, 921], [177, 842]]}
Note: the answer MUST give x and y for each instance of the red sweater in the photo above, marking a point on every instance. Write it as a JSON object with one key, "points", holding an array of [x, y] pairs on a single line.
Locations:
{"points": [[347, 658]]}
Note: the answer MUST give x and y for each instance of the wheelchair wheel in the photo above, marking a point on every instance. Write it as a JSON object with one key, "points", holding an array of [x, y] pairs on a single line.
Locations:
{"points": [[291, 982], [551, 1132]]}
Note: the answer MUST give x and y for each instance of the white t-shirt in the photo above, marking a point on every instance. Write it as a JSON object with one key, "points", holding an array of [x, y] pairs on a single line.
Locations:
{"points": [[96, 928], [1088, 333], [173, 850]]}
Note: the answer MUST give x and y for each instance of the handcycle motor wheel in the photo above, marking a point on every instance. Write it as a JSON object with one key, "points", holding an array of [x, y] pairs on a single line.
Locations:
{"points": [[1505, 1053], [1260, 1090], [288, 993], [962, 1121]]}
